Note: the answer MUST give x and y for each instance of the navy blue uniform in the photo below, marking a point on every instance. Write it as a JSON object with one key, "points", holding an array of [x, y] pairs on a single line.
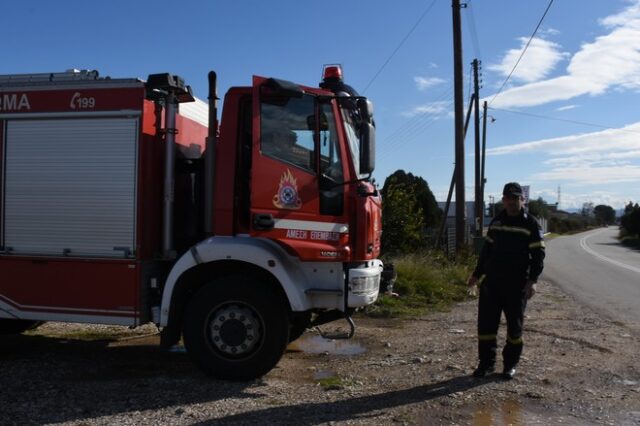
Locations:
{"points": [[513, 252]]}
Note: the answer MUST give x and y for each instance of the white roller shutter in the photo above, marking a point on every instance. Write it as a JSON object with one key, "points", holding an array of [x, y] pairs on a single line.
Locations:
{"points": [[70, 186]]}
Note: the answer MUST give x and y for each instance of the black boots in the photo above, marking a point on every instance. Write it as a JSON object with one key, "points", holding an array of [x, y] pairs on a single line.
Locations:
{"points": [[508, 373], [483, 370]]}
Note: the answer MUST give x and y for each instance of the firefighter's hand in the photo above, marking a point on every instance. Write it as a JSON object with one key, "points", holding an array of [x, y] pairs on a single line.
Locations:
{"points": [[530, 289]]}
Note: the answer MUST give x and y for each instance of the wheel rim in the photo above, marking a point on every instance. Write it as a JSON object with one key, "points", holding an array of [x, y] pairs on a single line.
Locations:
{"points": [[234, 329]]}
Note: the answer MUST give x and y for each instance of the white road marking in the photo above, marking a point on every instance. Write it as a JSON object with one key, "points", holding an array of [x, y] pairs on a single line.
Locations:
{"points": [[585, 247]]}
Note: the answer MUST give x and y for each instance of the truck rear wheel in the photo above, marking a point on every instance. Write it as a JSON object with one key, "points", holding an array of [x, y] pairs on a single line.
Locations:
{"points": [[10, 326], [236, 328]]}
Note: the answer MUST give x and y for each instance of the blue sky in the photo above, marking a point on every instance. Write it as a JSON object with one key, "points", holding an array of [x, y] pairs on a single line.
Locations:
{"points": [[583, 66]]}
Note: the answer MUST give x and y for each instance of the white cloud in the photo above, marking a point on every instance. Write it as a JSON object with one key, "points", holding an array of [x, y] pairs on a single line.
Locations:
{"points": [[610, 61], [591, 175], [424, 83], [540, 59], [566, 107], [620, 140], [612, 158], [548, 32], [440, 109], [603, 157], [572, 200]]}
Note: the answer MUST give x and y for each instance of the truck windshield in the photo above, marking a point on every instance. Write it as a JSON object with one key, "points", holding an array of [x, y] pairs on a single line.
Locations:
{"points": [[350, 126]]}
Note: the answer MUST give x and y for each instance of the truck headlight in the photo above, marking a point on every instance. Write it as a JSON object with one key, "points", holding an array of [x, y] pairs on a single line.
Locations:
{"points": [[364, 284]]}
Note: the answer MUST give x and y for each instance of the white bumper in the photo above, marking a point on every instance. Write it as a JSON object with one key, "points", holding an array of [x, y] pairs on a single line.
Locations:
{"points": [[364, 284]]}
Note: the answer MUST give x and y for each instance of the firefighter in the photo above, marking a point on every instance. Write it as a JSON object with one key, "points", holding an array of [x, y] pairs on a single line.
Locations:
{"points": [[510, 261]]}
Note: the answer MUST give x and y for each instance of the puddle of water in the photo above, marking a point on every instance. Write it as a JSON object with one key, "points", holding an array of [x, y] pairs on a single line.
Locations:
{"points": [[509, 412], [323, 374], [314, 344]]}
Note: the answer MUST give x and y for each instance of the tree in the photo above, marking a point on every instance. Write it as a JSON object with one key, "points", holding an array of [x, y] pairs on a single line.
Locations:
{"points": [[604, 214], [409, 211], [587, 209], [630, 221], [629, 207], [402, 220], [539, 208], [424, 197]]}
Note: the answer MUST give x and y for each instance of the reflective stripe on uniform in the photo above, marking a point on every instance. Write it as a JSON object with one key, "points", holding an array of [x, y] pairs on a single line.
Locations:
{"points": [[511, 229], [488, 238], [537, 244], [516, 341], [487, 336]]}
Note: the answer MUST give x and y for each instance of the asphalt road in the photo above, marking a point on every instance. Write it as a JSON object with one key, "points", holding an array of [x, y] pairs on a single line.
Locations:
{"points": [[598, 271]]}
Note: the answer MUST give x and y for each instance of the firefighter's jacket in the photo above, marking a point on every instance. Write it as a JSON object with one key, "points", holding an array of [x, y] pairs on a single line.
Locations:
{"points": [[513, 249]]}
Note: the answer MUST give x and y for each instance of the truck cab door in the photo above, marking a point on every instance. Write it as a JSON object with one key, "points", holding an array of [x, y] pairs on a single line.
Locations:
{"points": [[285, 200]]}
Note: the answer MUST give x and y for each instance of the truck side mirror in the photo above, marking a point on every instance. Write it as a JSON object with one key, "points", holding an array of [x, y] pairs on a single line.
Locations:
{"points": [[366, 109], [367, 148]]}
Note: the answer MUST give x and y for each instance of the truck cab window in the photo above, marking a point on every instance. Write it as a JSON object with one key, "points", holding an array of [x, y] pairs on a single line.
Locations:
{"points": [[287, 132]]}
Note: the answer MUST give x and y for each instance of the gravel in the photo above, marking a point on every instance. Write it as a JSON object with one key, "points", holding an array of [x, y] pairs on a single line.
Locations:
{"points": [[577, 368]]}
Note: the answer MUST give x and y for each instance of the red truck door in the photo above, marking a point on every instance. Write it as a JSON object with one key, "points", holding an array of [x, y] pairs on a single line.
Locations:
{"points": [[286, 201]]}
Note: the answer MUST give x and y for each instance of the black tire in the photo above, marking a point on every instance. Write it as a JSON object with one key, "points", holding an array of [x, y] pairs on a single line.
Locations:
{"points": [[236, 328], [9, 326], [299, 324]]}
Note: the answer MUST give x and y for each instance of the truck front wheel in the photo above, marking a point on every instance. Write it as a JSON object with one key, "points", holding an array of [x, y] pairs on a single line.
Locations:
{"points": [[236, 328]]}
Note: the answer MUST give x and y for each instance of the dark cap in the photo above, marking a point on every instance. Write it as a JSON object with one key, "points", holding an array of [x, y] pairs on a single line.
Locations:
{"points": [[512, 189]]}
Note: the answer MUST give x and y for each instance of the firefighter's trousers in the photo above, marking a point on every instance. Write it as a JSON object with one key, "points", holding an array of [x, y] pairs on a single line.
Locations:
{"points": [[497, 296]]}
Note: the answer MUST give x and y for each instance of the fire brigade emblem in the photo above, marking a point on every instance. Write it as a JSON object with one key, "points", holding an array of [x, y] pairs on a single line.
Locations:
{"points": [[287, 196]]}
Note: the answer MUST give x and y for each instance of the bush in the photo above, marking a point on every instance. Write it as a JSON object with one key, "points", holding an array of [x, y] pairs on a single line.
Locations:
{"points": [[631, 241], [571, 224], [426, 281], [630, 221]]}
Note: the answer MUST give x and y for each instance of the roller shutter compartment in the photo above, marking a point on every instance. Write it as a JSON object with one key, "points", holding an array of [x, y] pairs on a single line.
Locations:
{"points": [[70, 186]]}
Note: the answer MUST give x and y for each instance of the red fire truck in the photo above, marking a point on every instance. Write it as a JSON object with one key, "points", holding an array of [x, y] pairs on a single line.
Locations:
{"points": [[123, 202]]}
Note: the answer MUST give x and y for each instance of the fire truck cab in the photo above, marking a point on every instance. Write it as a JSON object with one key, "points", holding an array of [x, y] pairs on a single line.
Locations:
{"points": [[124, 202]]}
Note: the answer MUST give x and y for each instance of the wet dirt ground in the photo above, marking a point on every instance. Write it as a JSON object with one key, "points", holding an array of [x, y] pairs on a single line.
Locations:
{"points": [[578, 368]]}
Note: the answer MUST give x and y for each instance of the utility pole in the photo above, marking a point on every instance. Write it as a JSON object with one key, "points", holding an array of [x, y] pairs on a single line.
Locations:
{"points": [[478, 195], [459, 129], [484, 151], [453, 177]]}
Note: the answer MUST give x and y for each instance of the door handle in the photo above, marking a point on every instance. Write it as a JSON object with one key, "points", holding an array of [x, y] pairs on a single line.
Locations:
{"points": [[263, 221]]}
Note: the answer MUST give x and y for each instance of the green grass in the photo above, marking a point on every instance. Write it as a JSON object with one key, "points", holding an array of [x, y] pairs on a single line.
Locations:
{"points": [[426, 281], [332, 383]]}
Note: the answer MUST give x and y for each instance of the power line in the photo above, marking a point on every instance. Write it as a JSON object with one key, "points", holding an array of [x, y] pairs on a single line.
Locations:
{"points": [[523, 51], [472, 29], [399, 45], [416, 124], [408, 137], [583, 123], [421, 115], [401, 143]]}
